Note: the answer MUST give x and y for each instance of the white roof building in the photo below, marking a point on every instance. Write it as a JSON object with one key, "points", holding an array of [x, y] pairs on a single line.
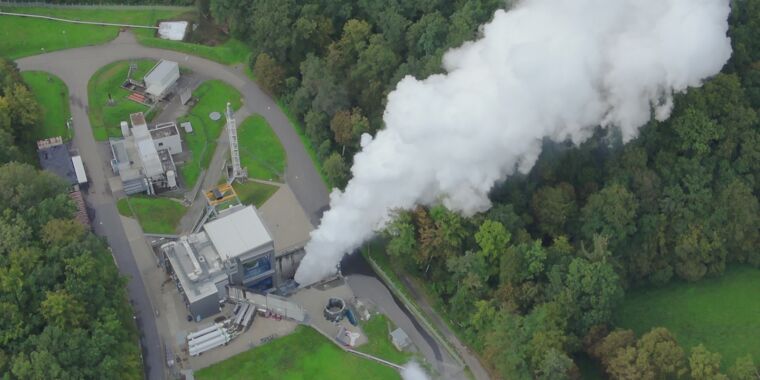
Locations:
{"points": [[145, 147], [235, 249], [238, 233], [161, 78], [79, 169]]}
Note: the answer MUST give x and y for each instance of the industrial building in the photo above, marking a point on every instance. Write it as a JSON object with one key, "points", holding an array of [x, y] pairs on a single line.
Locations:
{"points": [[143, 157], [166, 136], [161, 78], [234, 249]]}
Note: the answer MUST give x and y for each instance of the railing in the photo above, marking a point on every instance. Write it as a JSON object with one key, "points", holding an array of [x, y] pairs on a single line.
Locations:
{"points": [[77, 21], [90, 5]]}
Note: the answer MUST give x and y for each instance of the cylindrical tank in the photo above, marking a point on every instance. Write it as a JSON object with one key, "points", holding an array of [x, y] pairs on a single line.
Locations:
{"points": [[171, 179], [124, 129]]}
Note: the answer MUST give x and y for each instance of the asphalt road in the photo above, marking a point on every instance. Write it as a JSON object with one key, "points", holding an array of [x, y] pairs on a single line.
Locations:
{"points": [[75, 67]]}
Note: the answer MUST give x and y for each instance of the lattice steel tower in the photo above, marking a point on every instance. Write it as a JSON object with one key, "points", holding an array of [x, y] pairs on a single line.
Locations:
{"points": [[237, 170]]}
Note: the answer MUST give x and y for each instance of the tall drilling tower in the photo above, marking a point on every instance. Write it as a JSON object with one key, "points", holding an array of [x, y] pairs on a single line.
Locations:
{"points": [[237, 170]]}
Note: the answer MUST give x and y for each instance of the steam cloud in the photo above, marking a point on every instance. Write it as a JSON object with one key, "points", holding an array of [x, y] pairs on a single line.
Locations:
{"points": [[413, 371], [545, 69]]}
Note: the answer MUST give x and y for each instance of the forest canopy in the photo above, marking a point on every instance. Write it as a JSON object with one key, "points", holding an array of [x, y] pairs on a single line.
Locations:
{"points": [[63, 303]]}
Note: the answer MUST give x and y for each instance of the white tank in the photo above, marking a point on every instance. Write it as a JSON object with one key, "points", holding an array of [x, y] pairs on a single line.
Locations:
{"points": [[124, 129], [171, 179]]}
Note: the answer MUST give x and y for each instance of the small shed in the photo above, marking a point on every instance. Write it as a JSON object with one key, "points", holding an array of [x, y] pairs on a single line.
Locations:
{"points": [[161, 78], [400, 339]]}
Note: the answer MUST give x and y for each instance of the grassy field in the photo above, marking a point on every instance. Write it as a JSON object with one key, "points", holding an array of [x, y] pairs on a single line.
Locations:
{"points": [[254, 193], [16, 41], [260, 150], [105, 118], [55, 35], [228, 53], [212, 96], [723, 313], [156, 215], [378, 329], [53, 96], [303, 355]]}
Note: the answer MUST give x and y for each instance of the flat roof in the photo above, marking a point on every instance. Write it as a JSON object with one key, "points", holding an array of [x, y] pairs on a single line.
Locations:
{"points": [[79, 169], [137, 118], [161, 70], [237, 233], [164, 129], [56, 159], [146, 149], [197, 265]]}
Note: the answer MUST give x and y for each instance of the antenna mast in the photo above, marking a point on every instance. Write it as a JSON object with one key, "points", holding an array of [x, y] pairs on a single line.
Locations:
{"points": [[237, 170]]}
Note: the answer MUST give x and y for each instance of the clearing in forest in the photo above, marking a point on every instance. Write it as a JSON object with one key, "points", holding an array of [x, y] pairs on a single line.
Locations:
{"points": [[722, 313]]}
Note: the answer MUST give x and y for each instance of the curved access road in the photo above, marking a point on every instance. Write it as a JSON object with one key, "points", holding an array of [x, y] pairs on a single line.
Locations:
{"points": [[75, 67]]}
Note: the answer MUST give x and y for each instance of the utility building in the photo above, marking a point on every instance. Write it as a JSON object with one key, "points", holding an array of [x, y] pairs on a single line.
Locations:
{"points": [[142, 164], [161, 78], [166, 136], [235, 249]]}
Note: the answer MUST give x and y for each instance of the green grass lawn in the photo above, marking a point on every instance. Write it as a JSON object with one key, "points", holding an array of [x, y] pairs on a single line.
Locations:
{"points": [[378, 329], [260, 150], [254, 193], [723, 313], [55, 35], [228, 53], [16, 41], [53, 96], [212, 96], [156, 215], [302, 355], [105, 118]]}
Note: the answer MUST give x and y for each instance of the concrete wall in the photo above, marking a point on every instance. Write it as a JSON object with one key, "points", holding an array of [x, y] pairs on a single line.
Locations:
{"points": [[205, 307]]}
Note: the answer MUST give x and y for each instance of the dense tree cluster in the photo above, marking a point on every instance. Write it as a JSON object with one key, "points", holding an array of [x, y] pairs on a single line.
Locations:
{"points": [[19, 112], [333, 62], [548, 264], [62, 301], [657, 355]]}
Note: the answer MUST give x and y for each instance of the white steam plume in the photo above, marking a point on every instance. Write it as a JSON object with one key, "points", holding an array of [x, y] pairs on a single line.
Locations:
{"points": [[413, 371], [546, 68]]}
